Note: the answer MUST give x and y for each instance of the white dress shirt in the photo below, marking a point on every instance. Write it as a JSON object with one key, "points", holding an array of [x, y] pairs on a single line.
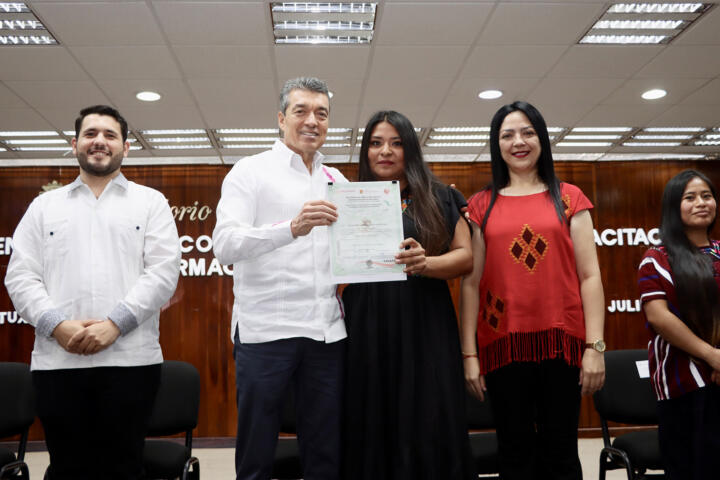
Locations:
{"points": [[282, 284], [78, 257]]}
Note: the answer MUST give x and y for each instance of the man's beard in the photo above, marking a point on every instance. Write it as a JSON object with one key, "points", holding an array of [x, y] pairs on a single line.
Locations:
{"points": [[100, 170]]}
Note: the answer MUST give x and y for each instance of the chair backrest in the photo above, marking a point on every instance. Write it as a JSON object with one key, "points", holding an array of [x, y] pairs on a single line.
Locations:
{"points": [[177, 401], [17, 398], [478, 414], [625, 397]]}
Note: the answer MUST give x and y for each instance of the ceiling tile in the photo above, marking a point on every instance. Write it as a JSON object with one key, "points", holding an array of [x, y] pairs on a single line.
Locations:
{"points": [[620, 115], [214, 61], [420, 115], [32, 63], [447, 23], [321, 61], [463, 107], [704, 116], [684, 61], [407, 92], [99, 23], [229, 102], [708, 94], [703, 31], [677, 88], [512, 60], [603, 61], [75, 95], [9, 100], [539, 23], [412, 61], [22, 119], [118, 63], [573, 91], [162, 117], [122, 92], [215, 23]]}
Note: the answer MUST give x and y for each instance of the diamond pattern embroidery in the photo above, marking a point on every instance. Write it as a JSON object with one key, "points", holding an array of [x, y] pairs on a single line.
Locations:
{"points": [[528, 248], [494, 310]]}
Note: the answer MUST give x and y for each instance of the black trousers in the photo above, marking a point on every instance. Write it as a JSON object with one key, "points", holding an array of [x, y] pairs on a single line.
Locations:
{"points": [[689, 431], [95, 420], [264, 372], [536, 408]]}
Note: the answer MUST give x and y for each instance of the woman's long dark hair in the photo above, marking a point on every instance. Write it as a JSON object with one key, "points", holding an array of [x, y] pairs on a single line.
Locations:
{"points": [[500, 173], [424, 209], [697, 291]]}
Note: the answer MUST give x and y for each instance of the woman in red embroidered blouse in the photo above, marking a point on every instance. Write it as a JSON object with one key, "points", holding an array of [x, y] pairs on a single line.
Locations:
{"points": [[533, 307], [680, 290]]}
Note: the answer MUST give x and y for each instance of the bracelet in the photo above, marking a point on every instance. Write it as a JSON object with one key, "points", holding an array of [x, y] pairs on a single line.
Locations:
{"points": [[469, 355]]}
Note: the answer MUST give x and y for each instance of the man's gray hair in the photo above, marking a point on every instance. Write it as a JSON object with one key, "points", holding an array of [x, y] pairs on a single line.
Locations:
{"points": [[311, 84]]}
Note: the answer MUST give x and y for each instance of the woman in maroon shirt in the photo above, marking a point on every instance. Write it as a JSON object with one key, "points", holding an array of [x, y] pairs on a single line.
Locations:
{"points": [[680, 290]]}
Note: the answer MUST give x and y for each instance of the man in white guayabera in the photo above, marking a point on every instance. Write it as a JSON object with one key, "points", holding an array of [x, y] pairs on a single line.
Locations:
{"points": [[287, 322], [92, 264]]}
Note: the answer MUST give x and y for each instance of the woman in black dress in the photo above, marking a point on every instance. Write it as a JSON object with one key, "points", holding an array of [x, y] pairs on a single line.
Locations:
{"points": [[405, 408]]}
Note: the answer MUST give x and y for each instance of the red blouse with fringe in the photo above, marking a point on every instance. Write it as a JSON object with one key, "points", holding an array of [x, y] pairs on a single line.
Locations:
{"points": [[530, 305]]}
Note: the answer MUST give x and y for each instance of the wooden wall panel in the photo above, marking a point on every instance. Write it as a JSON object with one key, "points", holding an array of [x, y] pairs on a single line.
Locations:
{"points": [[195, 324]]}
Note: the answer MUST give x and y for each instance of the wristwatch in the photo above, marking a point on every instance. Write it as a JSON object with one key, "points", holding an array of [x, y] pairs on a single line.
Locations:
{"points": [[598, 346]]}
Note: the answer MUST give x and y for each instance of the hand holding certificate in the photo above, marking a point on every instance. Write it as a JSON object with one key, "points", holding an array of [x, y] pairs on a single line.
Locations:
{"points": [[366, 235]]}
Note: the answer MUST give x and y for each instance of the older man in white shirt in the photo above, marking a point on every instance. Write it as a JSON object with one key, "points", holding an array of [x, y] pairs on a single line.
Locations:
{"points": [[92, 264], [287, 320]]}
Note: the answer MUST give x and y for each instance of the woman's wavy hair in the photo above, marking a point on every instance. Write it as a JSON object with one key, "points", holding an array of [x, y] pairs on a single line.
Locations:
{"points": [[695, 285], [500, 173], [424, 209]]}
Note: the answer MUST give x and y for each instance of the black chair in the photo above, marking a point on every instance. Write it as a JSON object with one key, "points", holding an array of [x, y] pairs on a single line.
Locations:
{"points": [[484, 444], [287, 464], [627, 398], [17, 413], [175, 411]]}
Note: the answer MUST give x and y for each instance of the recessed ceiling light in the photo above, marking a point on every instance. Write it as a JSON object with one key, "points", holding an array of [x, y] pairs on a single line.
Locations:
{"points": [[652, 144], [323, 22], [643, 23], [673, 129], [148, 96], [655, 7], [490, 94], [662, 137], [460, 129], [248, 145], [247, 139], [46, 141], [455, 144], [172, 132], [459, 137], [45, 133], [181, 147], [654, 94], [20, 27], [592, 137], [245, 130], [176, 139], [583, 144], [600, 129], [43, 149]]}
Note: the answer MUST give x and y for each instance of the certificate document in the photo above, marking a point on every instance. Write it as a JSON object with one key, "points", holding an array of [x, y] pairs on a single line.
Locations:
{"points": [[367, 233]]}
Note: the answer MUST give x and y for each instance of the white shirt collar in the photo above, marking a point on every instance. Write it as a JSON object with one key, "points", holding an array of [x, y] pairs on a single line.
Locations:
{"points": [[283, 150], [118, 180]]}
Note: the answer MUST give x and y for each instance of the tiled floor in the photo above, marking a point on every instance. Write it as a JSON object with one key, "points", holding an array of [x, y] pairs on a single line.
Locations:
{"points": [[217, 463]]}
